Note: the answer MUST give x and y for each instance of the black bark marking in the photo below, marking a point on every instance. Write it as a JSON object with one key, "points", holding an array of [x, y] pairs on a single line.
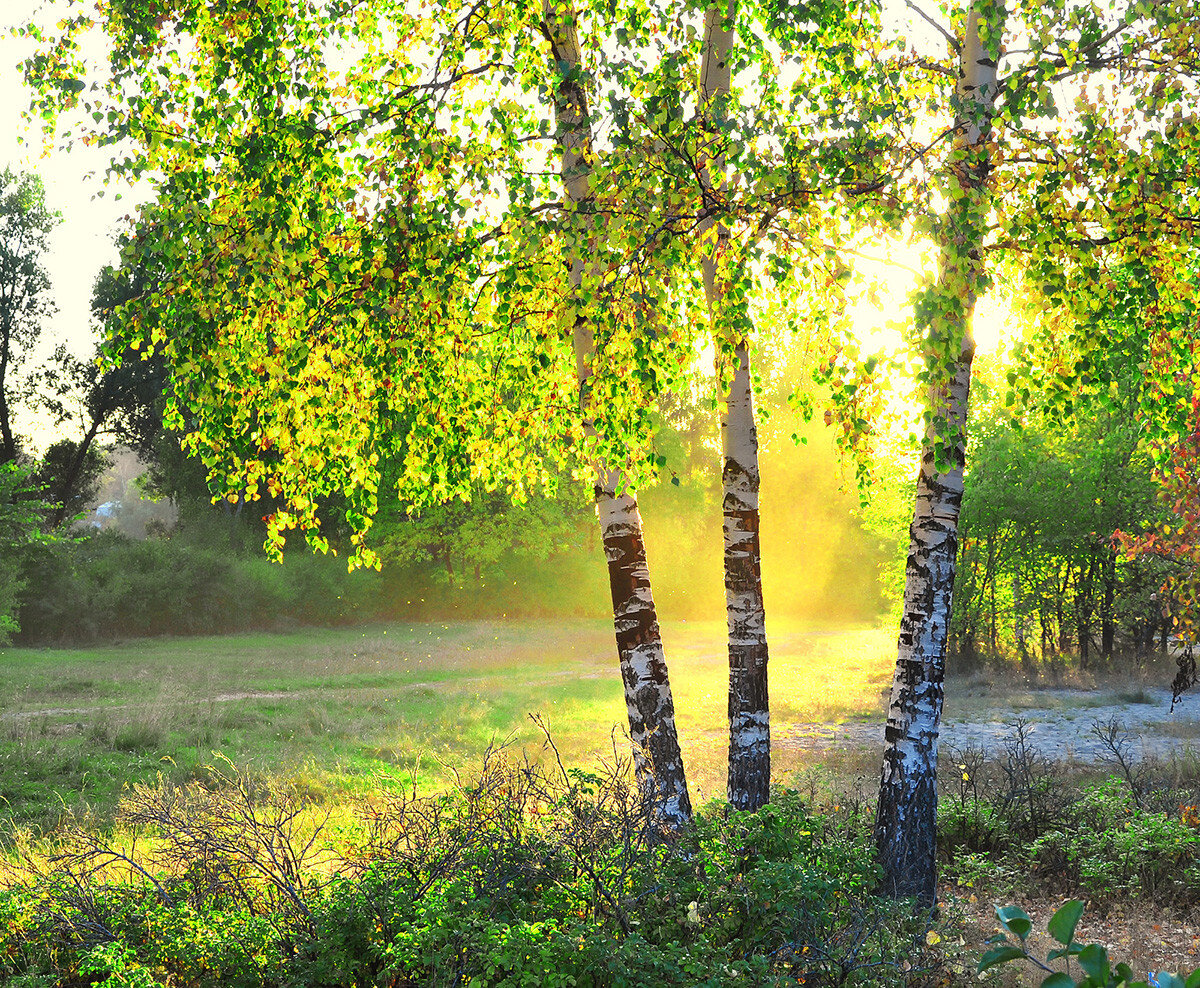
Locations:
{"points": [[749, 779], [658, 760]]}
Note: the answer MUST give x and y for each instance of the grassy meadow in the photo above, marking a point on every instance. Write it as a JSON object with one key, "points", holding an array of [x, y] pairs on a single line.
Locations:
{"points": [[352, 710]]}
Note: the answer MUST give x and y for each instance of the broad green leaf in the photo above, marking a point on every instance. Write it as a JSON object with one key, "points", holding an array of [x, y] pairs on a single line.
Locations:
{"points": [[1062, 924], [999, 955], [1015, 920], [1094, 960]]}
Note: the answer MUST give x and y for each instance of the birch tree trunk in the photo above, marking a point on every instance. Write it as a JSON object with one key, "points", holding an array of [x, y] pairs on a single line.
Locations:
{"points": [[749, 783], [657, 759], [906, 818]]}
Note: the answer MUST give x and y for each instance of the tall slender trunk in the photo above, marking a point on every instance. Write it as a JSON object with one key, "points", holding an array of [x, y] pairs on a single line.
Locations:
{"points": [[993, 633], [905, 822], [8, 442], [1084, 608], [749, 783], [1064, 635], [657, 758], [1107, 615]]}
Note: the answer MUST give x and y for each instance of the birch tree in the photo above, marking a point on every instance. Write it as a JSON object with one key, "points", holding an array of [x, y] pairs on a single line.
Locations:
{"points": [[1053, 196], [365, 268], [643, 666], [749, 776], [906, 824]]}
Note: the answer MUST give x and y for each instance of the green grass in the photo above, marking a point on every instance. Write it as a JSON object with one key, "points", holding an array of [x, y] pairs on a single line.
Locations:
{"points": [[353, 710]]}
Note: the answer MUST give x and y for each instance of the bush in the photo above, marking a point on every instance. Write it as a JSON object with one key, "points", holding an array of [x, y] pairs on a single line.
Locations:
{"points": [[1135, 834], [521, 876], [1091, 961], [63, 933], [1114, 846], [109, 586]]}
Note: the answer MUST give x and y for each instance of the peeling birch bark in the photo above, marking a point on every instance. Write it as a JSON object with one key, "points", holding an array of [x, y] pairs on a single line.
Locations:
{"points": [[658, 763], [906, 818], [749, 782]]}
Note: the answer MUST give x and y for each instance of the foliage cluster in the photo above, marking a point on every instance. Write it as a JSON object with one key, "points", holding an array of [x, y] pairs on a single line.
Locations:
{"points": [[482, 558], [1133, 834], [1040, 575], [1113, 417], [109, 586], [522, 875]]}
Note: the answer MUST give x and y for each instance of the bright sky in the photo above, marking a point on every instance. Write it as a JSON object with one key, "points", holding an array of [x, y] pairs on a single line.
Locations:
{"points": [[82, 244]]}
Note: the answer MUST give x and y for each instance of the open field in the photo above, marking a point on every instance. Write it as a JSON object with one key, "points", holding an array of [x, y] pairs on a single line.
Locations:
{"points": [[343, 713], [352, 709]]}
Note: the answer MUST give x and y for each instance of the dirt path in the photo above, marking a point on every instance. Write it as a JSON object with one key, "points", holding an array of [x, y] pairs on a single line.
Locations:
{"points": [[1061, 723], [1063, 727], [316, 693]]}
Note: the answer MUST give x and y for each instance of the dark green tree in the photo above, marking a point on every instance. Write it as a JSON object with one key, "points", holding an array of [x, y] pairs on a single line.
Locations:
{"points": [[121, 402], [68, 475], [21, 514], [25, 225]]}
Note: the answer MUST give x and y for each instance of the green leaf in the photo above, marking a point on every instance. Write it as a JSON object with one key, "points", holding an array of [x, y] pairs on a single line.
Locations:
{"points": [[1058, 980], [1094, 960], [1165, 979], [1015, 920], [1062, 924], [999, 955], [1193, 980]]}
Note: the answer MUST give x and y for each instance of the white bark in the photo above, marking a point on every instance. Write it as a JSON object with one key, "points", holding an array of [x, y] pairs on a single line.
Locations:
{"points": [[905, 826], [658, 762], [749, 720]]}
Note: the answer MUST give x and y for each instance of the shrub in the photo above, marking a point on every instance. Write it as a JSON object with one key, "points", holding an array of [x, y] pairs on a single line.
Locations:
{"points": [[524, 875], [109, 586], [1114, 846]]}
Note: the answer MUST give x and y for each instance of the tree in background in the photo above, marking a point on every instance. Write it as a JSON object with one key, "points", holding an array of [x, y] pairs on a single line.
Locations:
{"points": [[21, 514], [25, 225], [100, 400], [1173, 372], [1121, 344], [1039, 572], [121, 403], [68, 473]]}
